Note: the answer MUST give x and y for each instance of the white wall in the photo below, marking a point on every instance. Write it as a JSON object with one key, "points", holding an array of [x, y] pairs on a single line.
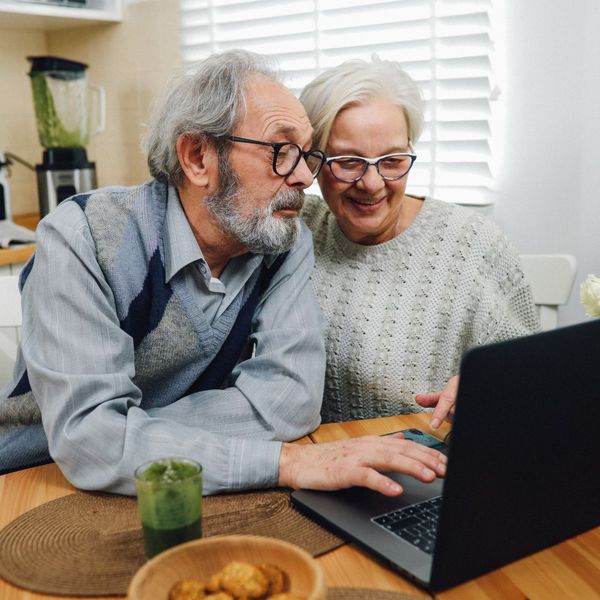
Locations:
{"points": [[547, 195]]}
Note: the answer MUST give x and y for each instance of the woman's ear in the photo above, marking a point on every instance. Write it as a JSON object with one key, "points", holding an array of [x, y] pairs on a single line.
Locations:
{"points": [[198, 160]]}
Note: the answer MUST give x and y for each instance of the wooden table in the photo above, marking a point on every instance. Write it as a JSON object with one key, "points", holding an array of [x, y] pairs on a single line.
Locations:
{"points": [[570, 570]]}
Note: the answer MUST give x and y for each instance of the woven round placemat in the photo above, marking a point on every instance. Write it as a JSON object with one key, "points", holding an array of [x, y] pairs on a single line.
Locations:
{"points": [[346, 593], [88, 544], [265, 513]]}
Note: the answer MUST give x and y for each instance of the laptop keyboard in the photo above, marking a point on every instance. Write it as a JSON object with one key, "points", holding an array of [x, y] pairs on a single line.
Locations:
{"points": [[416, 524]]}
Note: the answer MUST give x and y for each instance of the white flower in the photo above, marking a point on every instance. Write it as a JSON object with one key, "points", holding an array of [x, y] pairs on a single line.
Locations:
{"points": [[590, 295]]}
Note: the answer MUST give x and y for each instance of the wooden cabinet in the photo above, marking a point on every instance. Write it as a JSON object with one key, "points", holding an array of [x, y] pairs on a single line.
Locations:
{"points": [[22, 14]]}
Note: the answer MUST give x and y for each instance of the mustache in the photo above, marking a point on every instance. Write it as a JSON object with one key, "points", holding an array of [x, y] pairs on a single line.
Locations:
{"points": [[287, 200]]}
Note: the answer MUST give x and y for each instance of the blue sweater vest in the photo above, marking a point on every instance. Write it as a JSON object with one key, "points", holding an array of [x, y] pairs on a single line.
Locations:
{"points": [[177, 351]]}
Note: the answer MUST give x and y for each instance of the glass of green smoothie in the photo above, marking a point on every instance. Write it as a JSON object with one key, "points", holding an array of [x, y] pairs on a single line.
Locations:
{"points": [[169, 493]]}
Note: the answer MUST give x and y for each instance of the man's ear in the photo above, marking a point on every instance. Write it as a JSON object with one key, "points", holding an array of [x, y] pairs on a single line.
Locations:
{"points": [[198, 160]]}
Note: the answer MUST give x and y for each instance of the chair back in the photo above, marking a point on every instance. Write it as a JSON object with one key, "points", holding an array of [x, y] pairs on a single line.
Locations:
{"points": [[10, 321], [551, 277]]}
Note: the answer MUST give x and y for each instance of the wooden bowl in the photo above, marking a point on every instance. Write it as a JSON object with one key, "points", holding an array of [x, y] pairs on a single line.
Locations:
{"points": [[203, 558]]}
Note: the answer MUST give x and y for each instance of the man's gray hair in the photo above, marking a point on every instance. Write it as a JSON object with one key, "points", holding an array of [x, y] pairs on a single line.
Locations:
{"points": [[354, 82], [205, 100]]}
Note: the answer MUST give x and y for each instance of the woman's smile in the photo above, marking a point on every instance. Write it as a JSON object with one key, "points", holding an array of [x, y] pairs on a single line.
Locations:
{"points": [[369, 205]]}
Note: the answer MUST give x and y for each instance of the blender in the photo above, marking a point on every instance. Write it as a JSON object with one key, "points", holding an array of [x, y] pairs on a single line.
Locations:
{"points": [[62, 103]]}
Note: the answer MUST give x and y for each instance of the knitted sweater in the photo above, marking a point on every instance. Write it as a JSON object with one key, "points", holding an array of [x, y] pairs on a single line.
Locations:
{"points": [[400, 314]]}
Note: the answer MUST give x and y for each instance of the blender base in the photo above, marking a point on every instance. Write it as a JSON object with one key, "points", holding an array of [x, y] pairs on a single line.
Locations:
{"points": [[63, 173]]}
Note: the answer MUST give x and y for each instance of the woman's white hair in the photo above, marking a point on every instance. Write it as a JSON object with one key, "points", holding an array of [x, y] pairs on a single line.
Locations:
{"points": [[354, 82], [205, 100]]}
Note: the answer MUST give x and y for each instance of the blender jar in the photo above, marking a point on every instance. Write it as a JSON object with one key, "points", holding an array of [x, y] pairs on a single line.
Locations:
{"points": [[62, 102]]}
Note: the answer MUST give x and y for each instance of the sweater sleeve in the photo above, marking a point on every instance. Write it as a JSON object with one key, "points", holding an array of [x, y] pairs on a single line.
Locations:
{"points": [[505, 307]]}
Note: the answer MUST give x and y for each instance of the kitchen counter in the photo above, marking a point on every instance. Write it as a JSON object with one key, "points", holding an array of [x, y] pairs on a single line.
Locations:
{"points": [[20, 254]]}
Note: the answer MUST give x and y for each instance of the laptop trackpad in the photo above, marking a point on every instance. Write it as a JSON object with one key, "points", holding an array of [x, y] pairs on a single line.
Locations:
{"points": [[415, 490], [350, 512]]}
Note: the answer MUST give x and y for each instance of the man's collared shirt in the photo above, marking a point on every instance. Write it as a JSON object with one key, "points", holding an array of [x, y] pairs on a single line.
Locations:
{"points": [[214, 294], [82, 365]]}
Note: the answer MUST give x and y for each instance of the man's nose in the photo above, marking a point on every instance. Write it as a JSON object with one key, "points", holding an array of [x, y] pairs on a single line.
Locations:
{"points": [[301, 177]]}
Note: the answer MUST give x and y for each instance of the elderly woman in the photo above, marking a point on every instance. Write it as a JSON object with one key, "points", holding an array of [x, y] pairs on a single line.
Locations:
{"points": [[407, 283]]}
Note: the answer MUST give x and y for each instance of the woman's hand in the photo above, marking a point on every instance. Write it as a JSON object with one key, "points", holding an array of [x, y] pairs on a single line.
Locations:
{"points": [[444, 402], [358, 461]]}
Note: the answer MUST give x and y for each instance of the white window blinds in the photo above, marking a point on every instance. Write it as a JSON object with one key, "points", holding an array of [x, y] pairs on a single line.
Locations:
{"points": [[445, 45]]}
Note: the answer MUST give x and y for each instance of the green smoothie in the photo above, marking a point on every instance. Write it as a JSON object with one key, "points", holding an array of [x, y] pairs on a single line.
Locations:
{"points": [[170, 502], [53, 133]]}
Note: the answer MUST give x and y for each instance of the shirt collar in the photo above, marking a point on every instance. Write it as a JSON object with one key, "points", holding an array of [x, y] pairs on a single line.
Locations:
{"points": [[181, 246]]}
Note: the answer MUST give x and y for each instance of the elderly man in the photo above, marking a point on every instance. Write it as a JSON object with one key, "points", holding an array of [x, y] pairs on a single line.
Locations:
{"points": [[177, 318]]}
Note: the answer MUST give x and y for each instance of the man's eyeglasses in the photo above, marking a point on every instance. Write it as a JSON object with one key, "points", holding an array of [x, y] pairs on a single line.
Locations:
{"points": [[351, 169], [287, 155]]}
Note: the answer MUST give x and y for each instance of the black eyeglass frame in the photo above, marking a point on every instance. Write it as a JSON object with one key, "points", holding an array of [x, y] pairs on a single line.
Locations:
{"points": [[372, 161], [277, 146]]}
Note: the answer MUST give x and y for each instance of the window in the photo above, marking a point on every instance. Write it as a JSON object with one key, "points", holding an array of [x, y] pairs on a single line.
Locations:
{"points": [[445, 45]]}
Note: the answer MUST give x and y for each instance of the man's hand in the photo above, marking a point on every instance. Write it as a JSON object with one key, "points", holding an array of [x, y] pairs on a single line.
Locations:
{"points": [[444, 402], [358, 461]]}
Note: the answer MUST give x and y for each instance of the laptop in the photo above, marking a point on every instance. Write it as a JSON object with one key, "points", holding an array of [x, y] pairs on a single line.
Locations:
{"points": [[523, 466]]}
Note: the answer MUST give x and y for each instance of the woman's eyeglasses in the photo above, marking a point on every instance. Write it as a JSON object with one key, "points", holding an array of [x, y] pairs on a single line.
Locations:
{"points": [[351, 169]]}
